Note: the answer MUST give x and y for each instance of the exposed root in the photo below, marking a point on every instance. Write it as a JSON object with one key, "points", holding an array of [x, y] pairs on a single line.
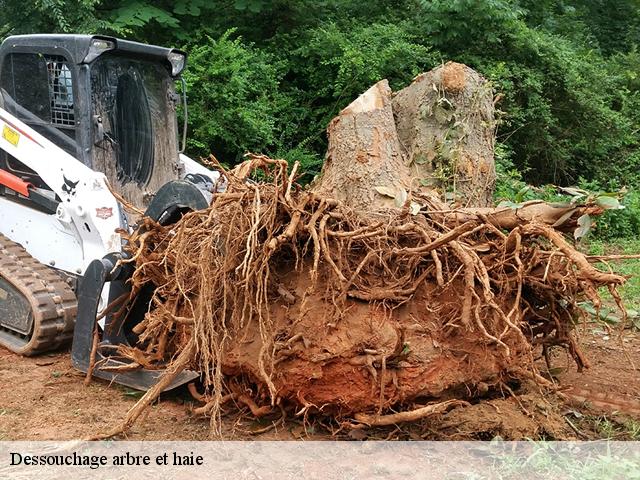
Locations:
{"points": [[92, 356], [296, 296], [255, 409], [208, 407], [409, 416], [175, 368]]}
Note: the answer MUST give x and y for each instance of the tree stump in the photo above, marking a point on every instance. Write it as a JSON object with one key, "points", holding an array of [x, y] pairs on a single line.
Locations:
{"points": [[350, 308], [436, 134], [364, 156], [445, 123]]}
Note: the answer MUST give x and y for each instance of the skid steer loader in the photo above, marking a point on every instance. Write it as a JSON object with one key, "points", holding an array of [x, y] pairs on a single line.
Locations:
{"points": [[81, 115]]}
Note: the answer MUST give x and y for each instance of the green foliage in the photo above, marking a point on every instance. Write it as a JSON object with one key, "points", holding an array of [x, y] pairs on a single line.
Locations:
{"points": [[614, 26], [468, 25], [336, 63], [46, 16], [254, 6], [568, 73], [509, 181], [619, 223], [630, 291], [234, 98], [310, 162], [345, 61], [622, 208], [138, 14]]}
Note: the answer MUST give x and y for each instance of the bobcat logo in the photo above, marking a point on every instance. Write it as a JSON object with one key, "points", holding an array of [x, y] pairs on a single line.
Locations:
{"points": [[104, 213], [69, 187]]}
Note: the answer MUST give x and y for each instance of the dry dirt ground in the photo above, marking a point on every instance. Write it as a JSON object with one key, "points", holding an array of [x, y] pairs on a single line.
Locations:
{"points": [[44, 398]]}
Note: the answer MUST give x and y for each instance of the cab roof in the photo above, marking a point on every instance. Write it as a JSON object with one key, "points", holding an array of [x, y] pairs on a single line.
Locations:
{"points": [[77, 46]]}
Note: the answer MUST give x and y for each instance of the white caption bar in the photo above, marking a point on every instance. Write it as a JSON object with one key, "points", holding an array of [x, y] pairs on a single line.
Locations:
{"points": [[318, 460]]}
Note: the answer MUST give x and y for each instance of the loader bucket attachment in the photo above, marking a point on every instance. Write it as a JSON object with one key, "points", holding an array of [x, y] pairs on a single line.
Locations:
{"points": [[107, 364], [169, 204]]}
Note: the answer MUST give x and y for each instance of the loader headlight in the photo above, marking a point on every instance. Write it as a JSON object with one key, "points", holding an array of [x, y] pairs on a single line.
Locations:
{"points": [[97, 47], [177, 60]]}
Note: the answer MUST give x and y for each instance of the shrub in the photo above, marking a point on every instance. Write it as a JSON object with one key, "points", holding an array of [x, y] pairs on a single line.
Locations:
{"points": [[234, 98]]}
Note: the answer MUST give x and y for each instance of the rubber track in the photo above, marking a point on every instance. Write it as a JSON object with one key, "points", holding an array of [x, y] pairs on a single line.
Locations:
{"points": [[52, 300]]}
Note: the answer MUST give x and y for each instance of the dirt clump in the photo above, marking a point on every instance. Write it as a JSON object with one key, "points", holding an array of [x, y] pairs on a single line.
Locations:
{"points": [[522, 417]]}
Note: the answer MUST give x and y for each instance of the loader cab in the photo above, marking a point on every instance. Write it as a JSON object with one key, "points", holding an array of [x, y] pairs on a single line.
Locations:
{"points": [[110, 103]]}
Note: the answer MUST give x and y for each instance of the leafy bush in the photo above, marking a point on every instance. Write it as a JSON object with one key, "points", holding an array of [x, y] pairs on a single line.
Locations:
{"points": [[614, 223], [233, 96], [336, 63], [623, 223], [310, 162]]}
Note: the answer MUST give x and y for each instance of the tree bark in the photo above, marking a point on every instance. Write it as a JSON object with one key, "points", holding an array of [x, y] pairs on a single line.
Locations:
{"points": [[364, 155], [445, 123], [435, 135]]}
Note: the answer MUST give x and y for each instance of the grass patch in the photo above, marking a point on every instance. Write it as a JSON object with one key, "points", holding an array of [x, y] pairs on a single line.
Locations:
{"points": [[630, 291], [567, 460], [612, 427]]}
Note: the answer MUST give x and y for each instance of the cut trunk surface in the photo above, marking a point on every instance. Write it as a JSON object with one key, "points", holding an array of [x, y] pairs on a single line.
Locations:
{"points": [[364, 155]]}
